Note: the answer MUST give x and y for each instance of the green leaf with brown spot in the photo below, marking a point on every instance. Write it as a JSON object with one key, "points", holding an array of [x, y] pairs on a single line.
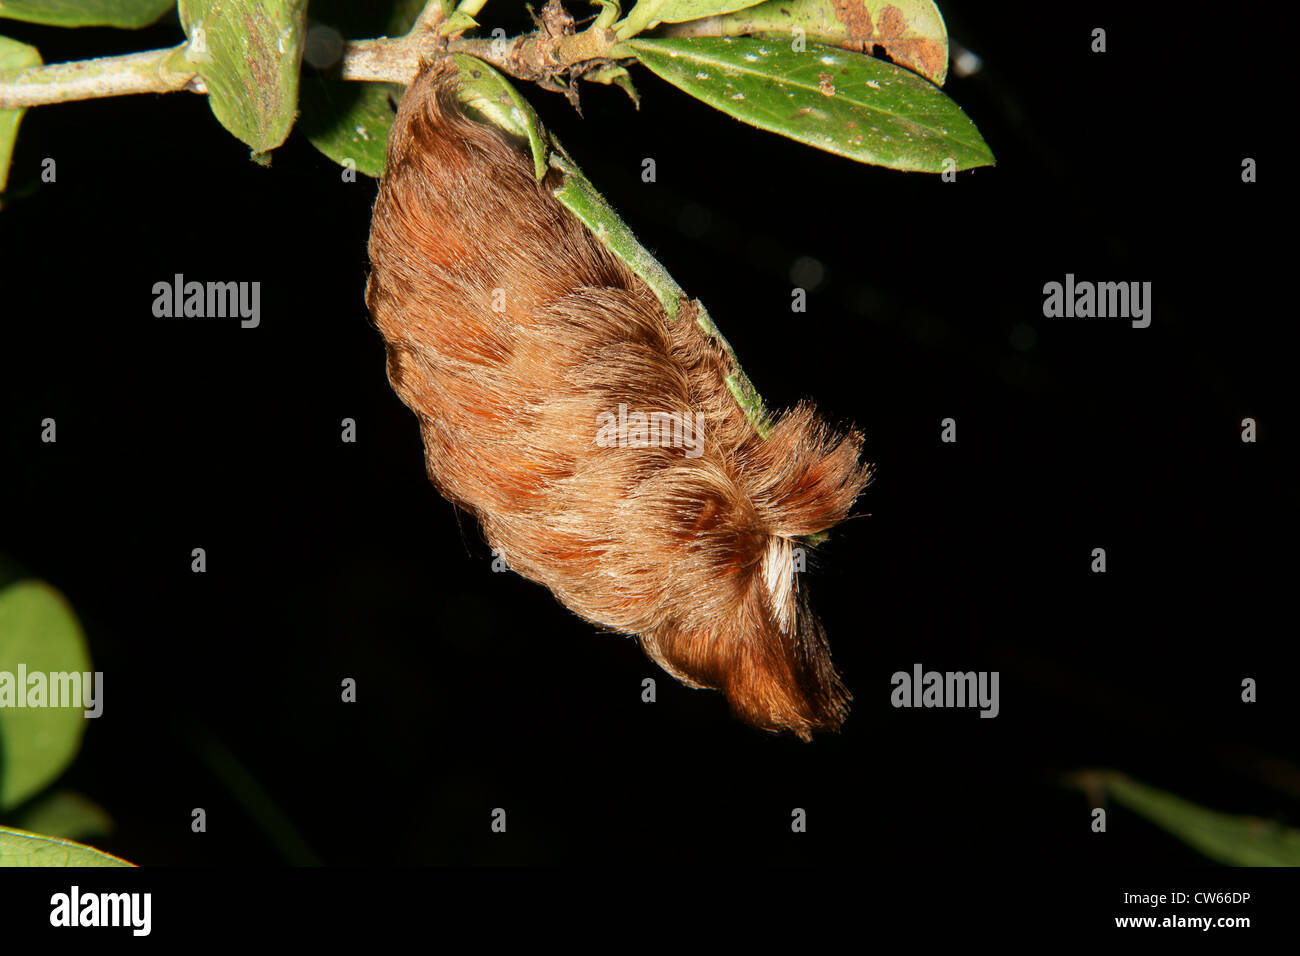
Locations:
{"points": [[248, 54], [13, 56], [650, 13], [846, 103], [128, 14], [911, 32], [20, 848]]}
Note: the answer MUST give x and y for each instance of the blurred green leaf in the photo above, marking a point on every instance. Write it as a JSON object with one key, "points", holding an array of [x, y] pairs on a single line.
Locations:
{"points": [[248, 54], [66, 815], [911, 32], [11, 571], [1224, 837], [650, 13], [129, 14], [374, 18], [400, 15], [13, 56], [19, 848], [38, 630], [845, 103]]}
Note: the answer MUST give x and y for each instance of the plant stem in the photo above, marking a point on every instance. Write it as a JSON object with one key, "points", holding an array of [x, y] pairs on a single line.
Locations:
{"points": [[538, 57], [146, 72]]}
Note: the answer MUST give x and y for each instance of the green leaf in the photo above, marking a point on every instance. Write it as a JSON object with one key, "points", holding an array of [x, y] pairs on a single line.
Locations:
{"points": [[616, 75], [650, 13], [576, 193], [356, 124], [609, 12], [39, 631], [13, 56], [129, 14], [458, 22], [845, 103], [248, 54], [738, 383], [349, 122], [911, 32], [492, 98], [1223, 837], [66, 815], [20, 848], [580, 197]]}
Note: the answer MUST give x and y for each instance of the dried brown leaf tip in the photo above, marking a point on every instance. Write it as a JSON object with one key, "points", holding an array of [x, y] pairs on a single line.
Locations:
{"points": [[892, 34], [593, 437]]}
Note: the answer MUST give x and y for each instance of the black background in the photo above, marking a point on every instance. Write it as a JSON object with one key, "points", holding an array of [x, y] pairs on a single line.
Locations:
{"points": [[477, 690]]}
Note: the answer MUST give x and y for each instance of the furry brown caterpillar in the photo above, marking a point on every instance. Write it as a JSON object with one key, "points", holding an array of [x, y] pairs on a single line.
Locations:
{"points": [[692, 554]]}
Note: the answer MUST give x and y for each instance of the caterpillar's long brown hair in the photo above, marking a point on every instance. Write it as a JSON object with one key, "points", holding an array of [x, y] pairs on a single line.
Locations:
{"points": [[695, 556]]}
